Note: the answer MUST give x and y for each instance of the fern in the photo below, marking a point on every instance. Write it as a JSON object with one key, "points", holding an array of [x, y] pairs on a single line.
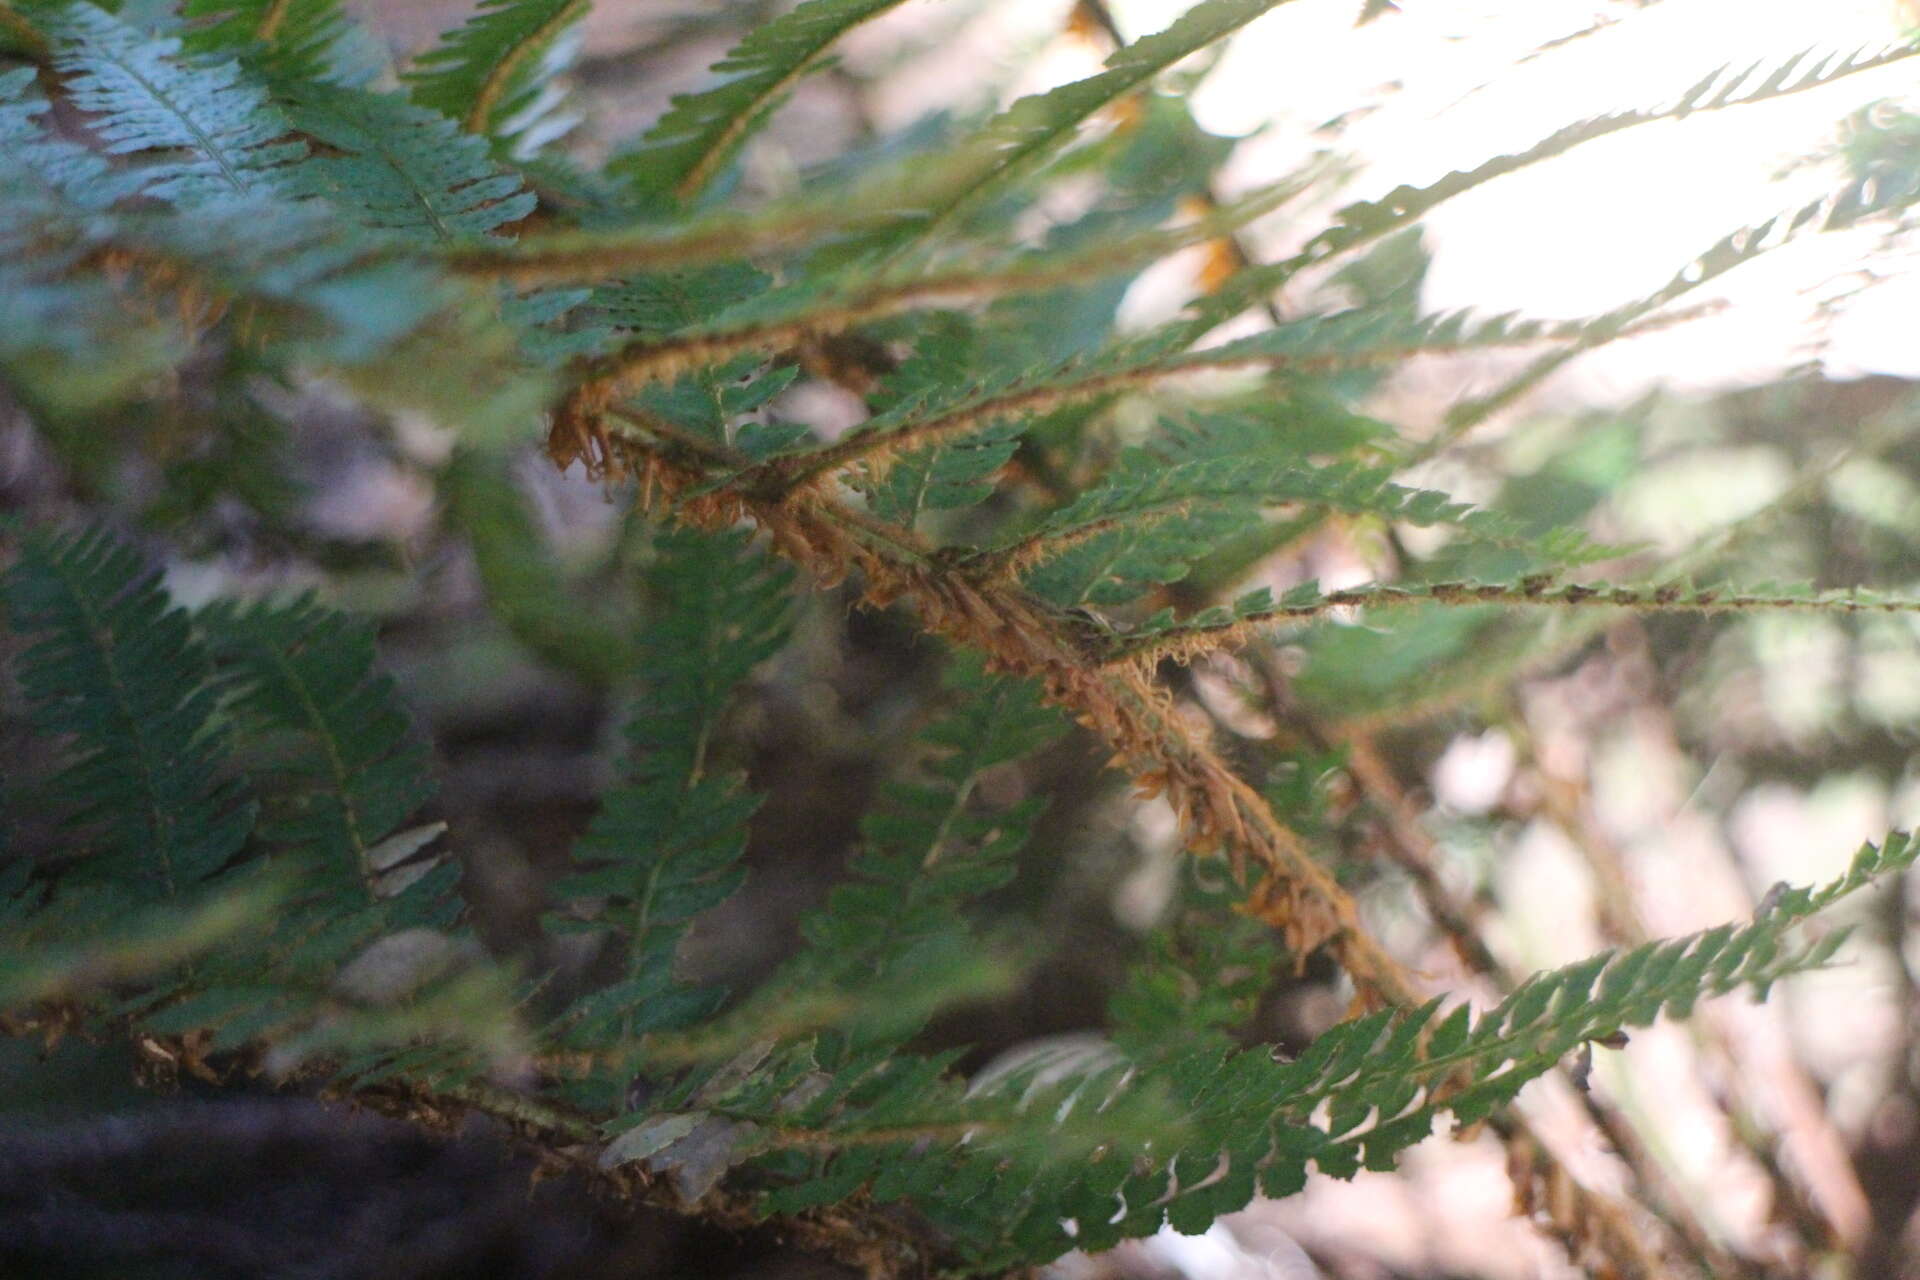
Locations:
{"points": [[120, 670], [299, 39], [494, 73], [1221, 625], [931, 846], [1357, 1096], [1034, 129], [230, 141], [699, 136], [1316, 344], [664, 845], [1366, 221], [403, 168], [224, 839], [345, 777]]}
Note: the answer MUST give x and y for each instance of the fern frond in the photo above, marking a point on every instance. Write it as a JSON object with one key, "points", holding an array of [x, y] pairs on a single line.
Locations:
{"points": [[230, 141], [118, 671], [340, 774], [929, 847], [490, 74], [1367, 221], [1340, 340], [800, 311], [1202, 974], [85, 941], [1147, 492], [663, 847], [402, 168], [1036, 128], [40, 164], [299, 40], [702, 132], [68, 341], [526, 589], [1222, 627], [981, 1165]]}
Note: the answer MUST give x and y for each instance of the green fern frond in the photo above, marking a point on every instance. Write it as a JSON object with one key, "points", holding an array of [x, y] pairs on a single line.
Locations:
{"points": [[1033, 130], [117, 671], [402, 168], [1369, 220], [1203, 971], [67, 342], [526, 589], [299, 40], [1245, 1123], [492, 74], [1340, 340], [290, 281], [86, 941], [40, 164], [664, 846], [339, 774], [1148, 491], [1227, 625], [949, 353], [227, 138], [929, 847], [699, 136]]}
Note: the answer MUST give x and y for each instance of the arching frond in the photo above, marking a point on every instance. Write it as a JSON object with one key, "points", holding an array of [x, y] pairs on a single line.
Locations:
{"points": [[692, 144], [494, 75]]}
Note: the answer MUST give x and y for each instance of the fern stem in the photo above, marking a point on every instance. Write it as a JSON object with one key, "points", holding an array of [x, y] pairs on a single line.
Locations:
{"points": [[271, 17]]}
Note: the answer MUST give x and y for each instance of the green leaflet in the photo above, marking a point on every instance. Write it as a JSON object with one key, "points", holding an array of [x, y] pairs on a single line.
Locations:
{"points": [[1034, 129], [303, 39], [1202, 973], [79, 942], [494, 74], [345, 774], [70, 344], [664, 845], [931, 845], [683, 154], [942, 477], [1151, 520], [225, 139], [146, 786], [402, 168]]}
